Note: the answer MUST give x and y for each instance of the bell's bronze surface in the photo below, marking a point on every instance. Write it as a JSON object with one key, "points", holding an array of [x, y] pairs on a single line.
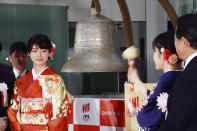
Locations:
{"points": [[96, 48]]}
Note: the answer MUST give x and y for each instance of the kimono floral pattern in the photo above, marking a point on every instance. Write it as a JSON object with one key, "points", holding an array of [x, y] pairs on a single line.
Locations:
{"points": [[31, 110], [145, 99], [54, 88], [35, 119], [15, 102], [35, 110], [33, 104], [162, 101], [153, 114]]}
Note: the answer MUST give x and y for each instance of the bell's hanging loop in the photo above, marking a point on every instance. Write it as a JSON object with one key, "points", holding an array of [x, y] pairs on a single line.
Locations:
{"points": [[96, 4]]}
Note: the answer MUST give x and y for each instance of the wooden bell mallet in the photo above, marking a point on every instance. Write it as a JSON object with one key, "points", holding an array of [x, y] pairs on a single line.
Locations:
{"points": [[131, 54]]}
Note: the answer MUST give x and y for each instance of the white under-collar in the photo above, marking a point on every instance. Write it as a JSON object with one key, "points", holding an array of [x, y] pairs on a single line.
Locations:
{"points": [[189, 59], [35, 76], [16, 74]]}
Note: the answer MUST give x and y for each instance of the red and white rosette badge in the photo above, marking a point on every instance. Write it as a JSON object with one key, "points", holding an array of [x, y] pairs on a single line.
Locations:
{"points": [[131, 54], [52, 50], [4, 93]]}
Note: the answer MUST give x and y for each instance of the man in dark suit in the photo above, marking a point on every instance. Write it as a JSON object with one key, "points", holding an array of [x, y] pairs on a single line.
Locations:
{"points": [[6, 88], [18, 56], [182, 103]]}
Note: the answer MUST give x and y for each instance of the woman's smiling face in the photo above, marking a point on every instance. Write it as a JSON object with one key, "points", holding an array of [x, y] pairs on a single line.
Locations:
{"points": [[39, 56]]}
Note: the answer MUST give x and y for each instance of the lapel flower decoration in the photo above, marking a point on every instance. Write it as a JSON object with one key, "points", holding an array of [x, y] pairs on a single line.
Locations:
{"points": [[162, 102], [3, 87], [166, 52]]}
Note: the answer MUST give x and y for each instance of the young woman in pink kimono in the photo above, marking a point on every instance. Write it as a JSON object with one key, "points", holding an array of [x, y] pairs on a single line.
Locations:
{"points": [[40, 100]]}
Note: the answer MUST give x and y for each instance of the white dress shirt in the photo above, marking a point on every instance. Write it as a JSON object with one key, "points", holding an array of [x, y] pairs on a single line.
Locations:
{"points": [[16, 74]]}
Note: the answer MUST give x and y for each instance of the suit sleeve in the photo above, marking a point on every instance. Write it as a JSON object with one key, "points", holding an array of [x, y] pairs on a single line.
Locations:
{"points": [[11, 81], [183, 105]]}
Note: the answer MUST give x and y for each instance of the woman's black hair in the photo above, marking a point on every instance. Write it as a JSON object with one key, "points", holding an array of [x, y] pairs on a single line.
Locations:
{"points": [[39, 40], [165, 40]]}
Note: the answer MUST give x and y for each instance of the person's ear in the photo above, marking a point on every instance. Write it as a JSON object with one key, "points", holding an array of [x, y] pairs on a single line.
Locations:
{"points": [[173, 59], [186, 42]]}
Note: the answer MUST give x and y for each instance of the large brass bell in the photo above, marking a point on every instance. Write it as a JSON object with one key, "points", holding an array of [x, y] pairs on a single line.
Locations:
{"points": [[95, 48]]}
